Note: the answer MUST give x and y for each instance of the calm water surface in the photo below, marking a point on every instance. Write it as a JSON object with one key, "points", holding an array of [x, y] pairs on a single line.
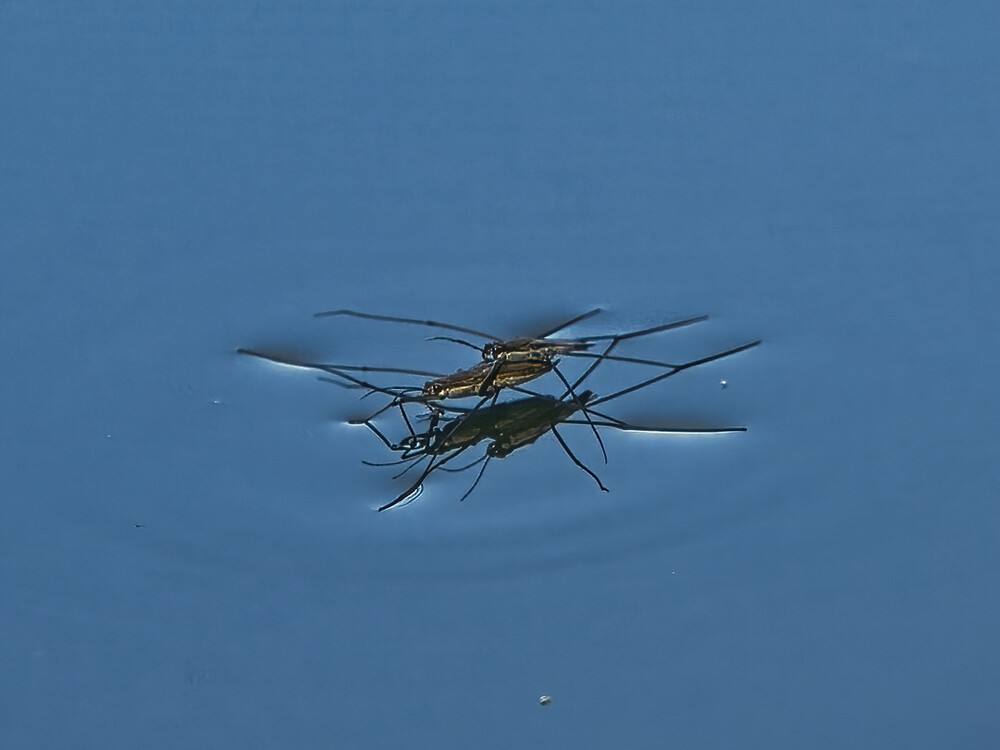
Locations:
{"points": [[190, 552]]}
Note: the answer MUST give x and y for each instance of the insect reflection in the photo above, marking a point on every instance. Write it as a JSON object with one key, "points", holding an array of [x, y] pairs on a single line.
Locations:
{"points": [[512, 425]]}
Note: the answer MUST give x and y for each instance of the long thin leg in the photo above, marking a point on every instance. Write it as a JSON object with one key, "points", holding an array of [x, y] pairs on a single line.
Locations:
{"points": [[396, 401], [617, 358], [396, 393], [478, 477], [399, 396], [415, 492], [466, 410], [586, 373], [446, 433], [468, 466], [583, 407], [568, 323], [679, 368], [491, 376], [354, 384], [378, 433], [415, 462], [414, 321], [336, 369], [646, 331], [407, 452], [626, 427], [406, 420], [388, 463], [420, 480], [576, 460]]}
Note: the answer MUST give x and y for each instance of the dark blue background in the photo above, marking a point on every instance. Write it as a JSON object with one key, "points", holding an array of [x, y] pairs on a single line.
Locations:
{"points": [[188, 547]]}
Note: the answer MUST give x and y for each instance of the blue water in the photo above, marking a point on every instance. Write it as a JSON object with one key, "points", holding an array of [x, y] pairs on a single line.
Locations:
{"points": [[189, 552]]}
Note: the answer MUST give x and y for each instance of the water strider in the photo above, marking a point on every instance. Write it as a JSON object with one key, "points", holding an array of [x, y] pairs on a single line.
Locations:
{"points": [[515, 424], [505, 365], [487, 378], [512, 362]]}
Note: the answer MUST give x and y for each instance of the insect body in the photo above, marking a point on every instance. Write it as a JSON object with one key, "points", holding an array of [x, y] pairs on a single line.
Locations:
{"points": [[485, 379]]}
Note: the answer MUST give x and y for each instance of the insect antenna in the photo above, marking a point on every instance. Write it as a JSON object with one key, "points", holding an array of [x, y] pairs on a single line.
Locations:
{"points": [[456, 341], [413, 321], [398, 400], [398, 394], [355, 384]]}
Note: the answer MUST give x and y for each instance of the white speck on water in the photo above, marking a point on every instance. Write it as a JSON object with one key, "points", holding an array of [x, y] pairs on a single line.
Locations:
{"points": [[544, 700]]}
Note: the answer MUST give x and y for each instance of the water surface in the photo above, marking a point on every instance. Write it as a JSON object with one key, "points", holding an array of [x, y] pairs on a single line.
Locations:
{"points": [[190, 552]]}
